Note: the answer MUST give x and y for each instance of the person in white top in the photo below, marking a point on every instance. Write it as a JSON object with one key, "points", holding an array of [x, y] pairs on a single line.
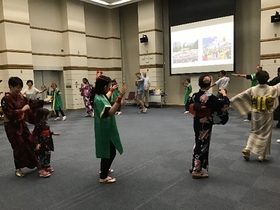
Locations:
{"points": [[31, 92], [222, 83], [147, 85]]}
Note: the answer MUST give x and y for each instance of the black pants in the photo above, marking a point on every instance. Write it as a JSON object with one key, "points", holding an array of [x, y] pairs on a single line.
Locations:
{"points": [[187, 106], [249, 116], [106, 163], [61, 112]]}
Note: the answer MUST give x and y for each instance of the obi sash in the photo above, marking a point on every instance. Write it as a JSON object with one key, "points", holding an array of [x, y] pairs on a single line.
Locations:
{"points": [[262, 103]]}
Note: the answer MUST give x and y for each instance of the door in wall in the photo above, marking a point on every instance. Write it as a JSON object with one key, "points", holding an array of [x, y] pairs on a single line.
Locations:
{"points": [[44, 78]]}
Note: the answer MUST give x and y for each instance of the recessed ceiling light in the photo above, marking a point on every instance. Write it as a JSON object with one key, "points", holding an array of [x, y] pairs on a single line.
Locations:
{"points": [[120, 2], [100, 2]]}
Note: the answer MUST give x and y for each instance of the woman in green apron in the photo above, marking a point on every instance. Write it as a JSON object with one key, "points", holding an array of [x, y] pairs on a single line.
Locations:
{"points": [[107, 139]]}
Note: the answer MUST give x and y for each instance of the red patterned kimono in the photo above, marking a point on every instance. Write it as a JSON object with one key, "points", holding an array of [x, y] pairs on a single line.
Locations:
{"points": [[17, 130]]}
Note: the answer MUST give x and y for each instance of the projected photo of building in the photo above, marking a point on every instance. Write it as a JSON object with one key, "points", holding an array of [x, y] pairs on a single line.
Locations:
{"points": [[216, 48], [185, 52]]}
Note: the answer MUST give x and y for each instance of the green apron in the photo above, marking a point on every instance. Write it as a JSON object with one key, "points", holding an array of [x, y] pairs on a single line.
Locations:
{"points": [[56, 99], [105, 129], [187, 93]]}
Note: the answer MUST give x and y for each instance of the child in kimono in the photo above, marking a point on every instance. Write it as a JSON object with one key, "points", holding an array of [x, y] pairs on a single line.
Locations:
{"points": [[44, 143], [107, 138], [261, 101]]}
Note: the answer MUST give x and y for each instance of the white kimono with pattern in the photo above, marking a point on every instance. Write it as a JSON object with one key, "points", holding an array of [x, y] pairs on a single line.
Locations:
{"points": [[259, 141]]}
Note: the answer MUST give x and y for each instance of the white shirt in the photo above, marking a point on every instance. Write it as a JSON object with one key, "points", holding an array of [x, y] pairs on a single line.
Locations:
{"points": [[223, 82], [31, 93], [146, 82]]}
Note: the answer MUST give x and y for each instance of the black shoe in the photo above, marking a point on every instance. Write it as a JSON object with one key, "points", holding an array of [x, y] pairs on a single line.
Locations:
{"points": [[278, 125]]}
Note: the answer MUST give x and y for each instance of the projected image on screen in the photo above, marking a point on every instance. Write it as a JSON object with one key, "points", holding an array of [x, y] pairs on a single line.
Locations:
{"points": [[205, 46], [185, 52], [216, 48]]}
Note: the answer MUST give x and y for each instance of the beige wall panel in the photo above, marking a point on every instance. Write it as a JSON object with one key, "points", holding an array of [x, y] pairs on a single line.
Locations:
{"points": [[269, 3], [49, 62], [271, 66], [151, 59], [1, 10], [158, 14], [16, 10], [113, 28], [46, 42], [114, 49], [95, 20], [97, 47], [270, 47], [65, 43], [45, 14], [268, 29], [146, 15], [17, 37], [104, 63], [149, 46], [2, 37], [78, 61], [77, 44], [19, 58], [75, 15]]}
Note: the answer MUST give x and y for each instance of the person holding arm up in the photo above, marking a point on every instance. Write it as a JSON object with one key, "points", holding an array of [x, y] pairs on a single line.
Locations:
{"points": [[107, 139]]}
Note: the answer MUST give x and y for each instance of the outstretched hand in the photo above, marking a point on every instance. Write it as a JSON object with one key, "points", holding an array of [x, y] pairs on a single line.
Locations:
{"points": [[56, 134], [123, 91], [223, 92]]}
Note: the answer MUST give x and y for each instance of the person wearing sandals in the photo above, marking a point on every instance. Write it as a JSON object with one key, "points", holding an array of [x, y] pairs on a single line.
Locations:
{"points": [[42, 137], [85, 91], [56, 101], [202, 105], [15, 108], [261, 101], [107, 139]]}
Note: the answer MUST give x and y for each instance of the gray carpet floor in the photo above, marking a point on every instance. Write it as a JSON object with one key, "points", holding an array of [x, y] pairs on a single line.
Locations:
{"points": [[151, 174]]}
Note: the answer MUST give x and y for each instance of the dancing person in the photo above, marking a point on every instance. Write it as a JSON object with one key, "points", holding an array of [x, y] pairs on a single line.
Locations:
{"points": [[188, 86], [107, 138], [31, 92], [254, 82], [147, 85], [139, 82], [15, 106], [261, 101], [115, 93], [203, 105], [222, 83], [85, 91], [44, 143], [56, 102]]}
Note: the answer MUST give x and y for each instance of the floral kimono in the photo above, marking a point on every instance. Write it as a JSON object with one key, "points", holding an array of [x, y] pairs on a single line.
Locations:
{"points": [[203, 106], [16, 128]]}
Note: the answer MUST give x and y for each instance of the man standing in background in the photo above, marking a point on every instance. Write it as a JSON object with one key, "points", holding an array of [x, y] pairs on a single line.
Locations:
{"points": [[222, 83], [254, 82], [147, 85], [139, 82]]}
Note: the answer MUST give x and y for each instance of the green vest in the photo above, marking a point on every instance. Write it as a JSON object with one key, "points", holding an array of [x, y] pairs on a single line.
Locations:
{"points": [[56, 99], [105, 129], [254, 80], [187, 93]]}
